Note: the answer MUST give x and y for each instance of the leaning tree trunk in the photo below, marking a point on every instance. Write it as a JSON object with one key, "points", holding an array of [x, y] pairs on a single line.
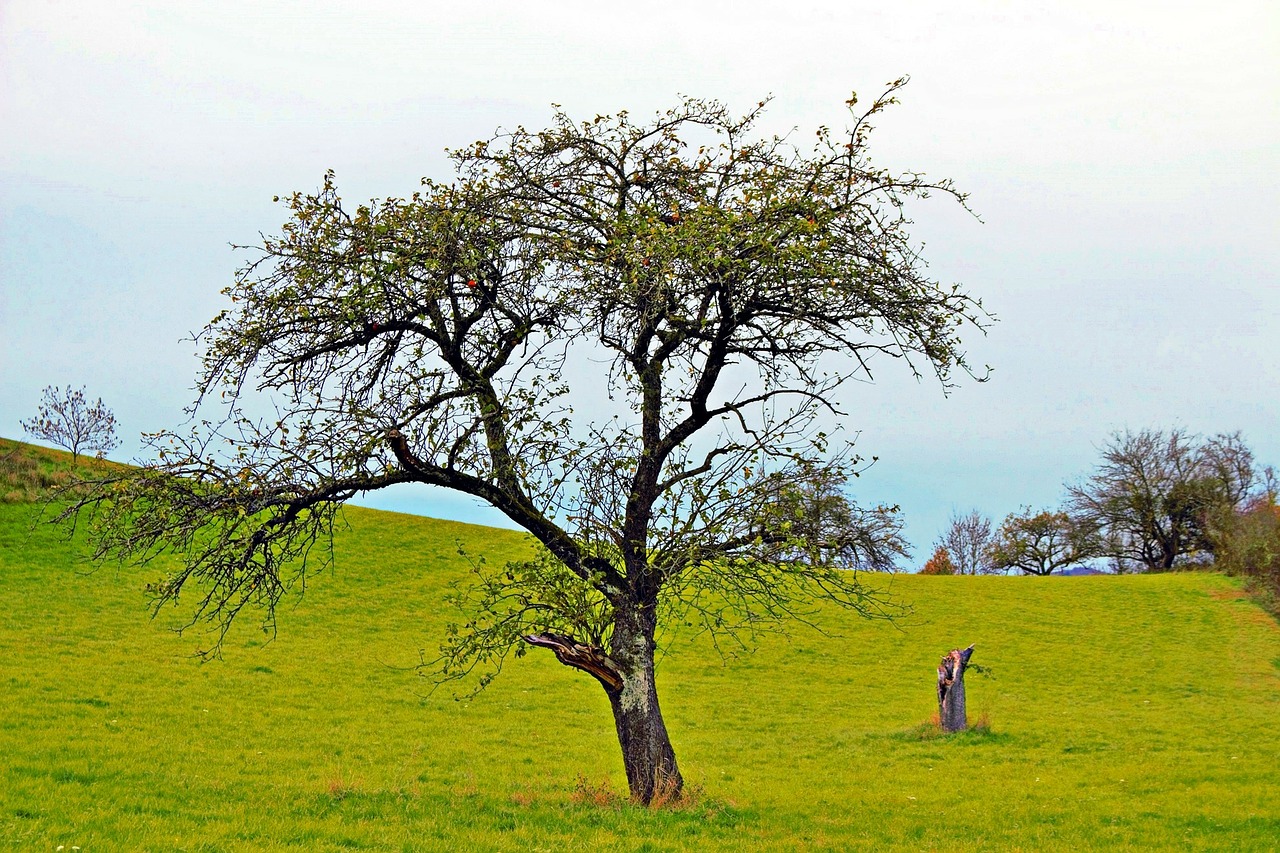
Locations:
{"points": [[951, 710], [626, 674], [647, 755]]}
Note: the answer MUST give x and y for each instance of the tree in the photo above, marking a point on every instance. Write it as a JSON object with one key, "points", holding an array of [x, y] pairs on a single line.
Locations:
{"points": [[1041, 543], [1153, 496], [1247, 542], [940, 563], [1246, 539], [968, 541], [726, 285], [68, 420]]}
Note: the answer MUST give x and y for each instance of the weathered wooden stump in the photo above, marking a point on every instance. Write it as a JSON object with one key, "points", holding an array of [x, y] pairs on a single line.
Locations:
{"points": [[951, 711]]}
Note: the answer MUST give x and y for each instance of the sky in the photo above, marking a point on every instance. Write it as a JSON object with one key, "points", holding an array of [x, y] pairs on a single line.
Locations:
{"points": [[1123, 159]]}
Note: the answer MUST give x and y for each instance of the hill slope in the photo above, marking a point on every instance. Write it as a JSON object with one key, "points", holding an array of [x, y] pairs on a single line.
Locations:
{"points": [[1129, 712]]}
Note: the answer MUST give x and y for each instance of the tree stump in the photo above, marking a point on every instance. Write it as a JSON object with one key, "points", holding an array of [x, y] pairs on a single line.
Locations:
{"points": [[951, 711]]}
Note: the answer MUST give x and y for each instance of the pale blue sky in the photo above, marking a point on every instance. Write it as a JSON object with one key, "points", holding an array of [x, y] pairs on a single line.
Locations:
{"points": [[1124, 157]]}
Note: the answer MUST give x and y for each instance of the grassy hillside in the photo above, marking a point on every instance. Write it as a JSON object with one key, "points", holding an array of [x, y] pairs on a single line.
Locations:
{"points": [[1131, 712], [28, 470]]}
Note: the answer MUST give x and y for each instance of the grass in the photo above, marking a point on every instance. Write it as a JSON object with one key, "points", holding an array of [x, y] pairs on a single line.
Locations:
{"points": [[1120, 713], [28, 471]]}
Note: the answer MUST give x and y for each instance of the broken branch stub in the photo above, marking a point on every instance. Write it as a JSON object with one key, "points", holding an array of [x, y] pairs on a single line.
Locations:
{"points": [[951, 709], [589, 659]]}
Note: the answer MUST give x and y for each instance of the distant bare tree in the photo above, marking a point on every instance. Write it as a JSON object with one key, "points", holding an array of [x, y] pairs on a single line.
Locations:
{"points": [[967, 540], [67, 419], [1229, 464]]}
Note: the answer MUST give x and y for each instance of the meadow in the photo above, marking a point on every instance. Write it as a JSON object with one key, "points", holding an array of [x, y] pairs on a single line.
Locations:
{"points": [[1119, 713]]}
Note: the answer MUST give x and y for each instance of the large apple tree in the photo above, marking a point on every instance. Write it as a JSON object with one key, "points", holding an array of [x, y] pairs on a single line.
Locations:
{"points": [[630, 338]]}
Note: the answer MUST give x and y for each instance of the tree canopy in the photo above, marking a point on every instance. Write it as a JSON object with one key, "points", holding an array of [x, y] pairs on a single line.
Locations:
{"points": [[1155, 494], [1041, 543], [968, 539], [630, 338]]}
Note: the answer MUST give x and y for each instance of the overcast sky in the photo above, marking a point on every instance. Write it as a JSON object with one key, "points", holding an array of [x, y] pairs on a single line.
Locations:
{"points": [[1124, 158]]}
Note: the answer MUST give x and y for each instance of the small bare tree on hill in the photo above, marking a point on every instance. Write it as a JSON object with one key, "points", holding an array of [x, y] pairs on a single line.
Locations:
{"points": [[66, 418], [968, 540]]}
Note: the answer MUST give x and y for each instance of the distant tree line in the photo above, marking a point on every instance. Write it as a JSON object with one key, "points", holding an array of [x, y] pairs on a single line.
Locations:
{"points": [[1158, 500]]}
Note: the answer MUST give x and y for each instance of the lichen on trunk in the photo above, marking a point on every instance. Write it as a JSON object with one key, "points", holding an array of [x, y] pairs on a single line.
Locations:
{"points": [[647, 754]]}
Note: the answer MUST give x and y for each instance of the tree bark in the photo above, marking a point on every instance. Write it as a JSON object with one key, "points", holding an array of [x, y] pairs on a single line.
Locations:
{"points": [[647, 754], [627, 676], [951, 708]]}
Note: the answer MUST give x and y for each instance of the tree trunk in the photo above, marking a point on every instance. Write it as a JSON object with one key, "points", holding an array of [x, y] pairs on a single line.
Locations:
{"points": [[626, 674], [951, 710], [647, 754]]}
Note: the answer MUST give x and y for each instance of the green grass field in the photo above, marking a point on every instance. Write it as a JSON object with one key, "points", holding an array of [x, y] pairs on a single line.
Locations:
{"points": [[1125, 713]]}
